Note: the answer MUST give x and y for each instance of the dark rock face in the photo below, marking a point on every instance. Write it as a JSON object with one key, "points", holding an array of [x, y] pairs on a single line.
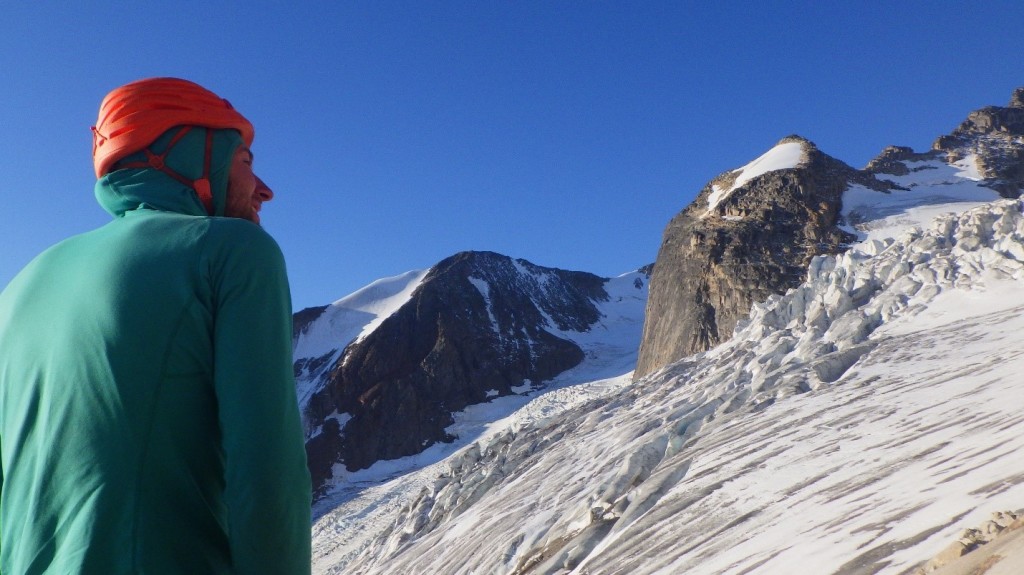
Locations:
{"points": [[478, 325], [713, 264], [995, 136]]}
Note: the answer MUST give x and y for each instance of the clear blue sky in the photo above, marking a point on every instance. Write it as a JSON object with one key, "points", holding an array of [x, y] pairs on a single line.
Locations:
{"points": [[567, 133]]}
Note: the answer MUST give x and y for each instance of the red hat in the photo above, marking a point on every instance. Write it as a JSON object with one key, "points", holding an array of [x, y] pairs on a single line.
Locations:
{"points": [[133, 116]]}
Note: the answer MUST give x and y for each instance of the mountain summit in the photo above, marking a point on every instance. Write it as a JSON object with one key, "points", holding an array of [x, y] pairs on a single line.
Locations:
{"points": [[382, 371], [749, 233]]}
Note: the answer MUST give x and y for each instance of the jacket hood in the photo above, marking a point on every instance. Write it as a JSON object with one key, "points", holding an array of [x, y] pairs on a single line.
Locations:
{"points": [[125, 190]]}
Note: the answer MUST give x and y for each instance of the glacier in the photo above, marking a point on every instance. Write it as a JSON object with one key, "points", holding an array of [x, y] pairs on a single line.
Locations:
{"points": [[852, 425]]}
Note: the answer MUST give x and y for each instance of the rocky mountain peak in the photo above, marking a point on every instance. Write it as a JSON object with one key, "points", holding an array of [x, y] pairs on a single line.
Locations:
{"points": [[566, 297], [991, 140], [1017, 100], [789, 153], [477, 326], [749, 233]]}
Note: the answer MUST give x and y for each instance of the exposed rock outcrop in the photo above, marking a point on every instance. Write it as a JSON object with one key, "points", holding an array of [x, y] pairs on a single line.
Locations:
{"points": [[994, 138], [477, 326], [973, 541], [893, 160], [1017, 99], [750, 233]]}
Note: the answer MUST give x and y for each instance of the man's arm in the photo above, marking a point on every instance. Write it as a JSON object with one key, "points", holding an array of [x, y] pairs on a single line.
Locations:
{"points": [[1, 494], [267, 481]]}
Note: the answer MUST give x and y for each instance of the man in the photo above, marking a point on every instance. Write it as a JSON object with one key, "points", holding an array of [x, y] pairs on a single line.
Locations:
{"points": [[148, 419]]}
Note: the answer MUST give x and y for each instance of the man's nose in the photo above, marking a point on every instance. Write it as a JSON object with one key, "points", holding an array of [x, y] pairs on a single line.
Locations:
{"points": [[263, 190]]}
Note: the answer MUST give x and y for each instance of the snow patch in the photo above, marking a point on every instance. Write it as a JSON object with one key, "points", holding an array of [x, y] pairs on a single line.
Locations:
{"points": [[968, 167], [341, 418], [933, 188], [348, 319], [485, 291]]}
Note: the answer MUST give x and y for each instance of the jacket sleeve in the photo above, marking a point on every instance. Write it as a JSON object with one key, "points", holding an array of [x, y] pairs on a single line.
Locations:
{"points": [[1, 493], [267, 489]]}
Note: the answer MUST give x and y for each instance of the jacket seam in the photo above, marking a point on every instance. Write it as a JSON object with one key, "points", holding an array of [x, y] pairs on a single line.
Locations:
{"points": [[148, 434]]}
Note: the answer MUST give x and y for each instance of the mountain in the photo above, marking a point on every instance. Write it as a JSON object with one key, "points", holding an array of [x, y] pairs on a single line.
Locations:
{"points": [[749, 233], [991, 140], [855, 422], [752, 231], [382, 371]]}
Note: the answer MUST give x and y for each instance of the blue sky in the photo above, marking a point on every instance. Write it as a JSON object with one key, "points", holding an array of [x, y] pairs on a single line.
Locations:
{"points": [[567, 133]]}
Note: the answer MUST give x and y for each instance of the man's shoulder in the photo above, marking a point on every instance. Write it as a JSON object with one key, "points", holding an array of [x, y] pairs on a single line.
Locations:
{"points": [[241, 247], [239, 232]]}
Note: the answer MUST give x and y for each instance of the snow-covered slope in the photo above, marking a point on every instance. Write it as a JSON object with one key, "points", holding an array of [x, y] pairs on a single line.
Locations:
{"points": [[853, 425], [346, 320], [931, 188]]}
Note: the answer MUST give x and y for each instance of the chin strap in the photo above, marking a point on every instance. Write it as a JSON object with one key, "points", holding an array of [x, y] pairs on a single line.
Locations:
{"points": [[156, 161]]}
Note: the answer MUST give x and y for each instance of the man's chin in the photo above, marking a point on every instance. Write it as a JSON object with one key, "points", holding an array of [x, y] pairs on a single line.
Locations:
{"points": [[252, 216]]}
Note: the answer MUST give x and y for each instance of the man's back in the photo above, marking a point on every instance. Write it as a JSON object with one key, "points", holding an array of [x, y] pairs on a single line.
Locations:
{"points": [[131, 360]]}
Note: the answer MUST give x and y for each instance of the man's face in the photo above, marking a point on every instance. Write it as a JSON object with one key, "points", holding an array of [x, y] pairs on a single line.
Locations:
{"points": [[246, 192]]}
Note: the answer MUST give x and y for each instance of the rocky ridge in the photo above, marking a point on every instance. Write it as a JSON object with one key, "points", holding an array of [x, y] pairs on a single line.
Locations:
{"points": [[993, 139], [744, 238], [894, 159]]}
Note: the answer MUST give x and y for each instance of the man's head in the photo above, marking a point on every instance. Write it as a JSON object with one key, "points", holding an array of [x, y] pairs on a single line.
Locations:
{"points": [[135, 116], [246, 191]]}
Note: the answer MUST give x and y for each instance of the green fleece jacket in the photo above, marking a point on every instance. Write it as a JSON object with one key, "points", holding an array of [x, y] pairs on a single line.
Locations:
{"points": [[148, 419]]}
